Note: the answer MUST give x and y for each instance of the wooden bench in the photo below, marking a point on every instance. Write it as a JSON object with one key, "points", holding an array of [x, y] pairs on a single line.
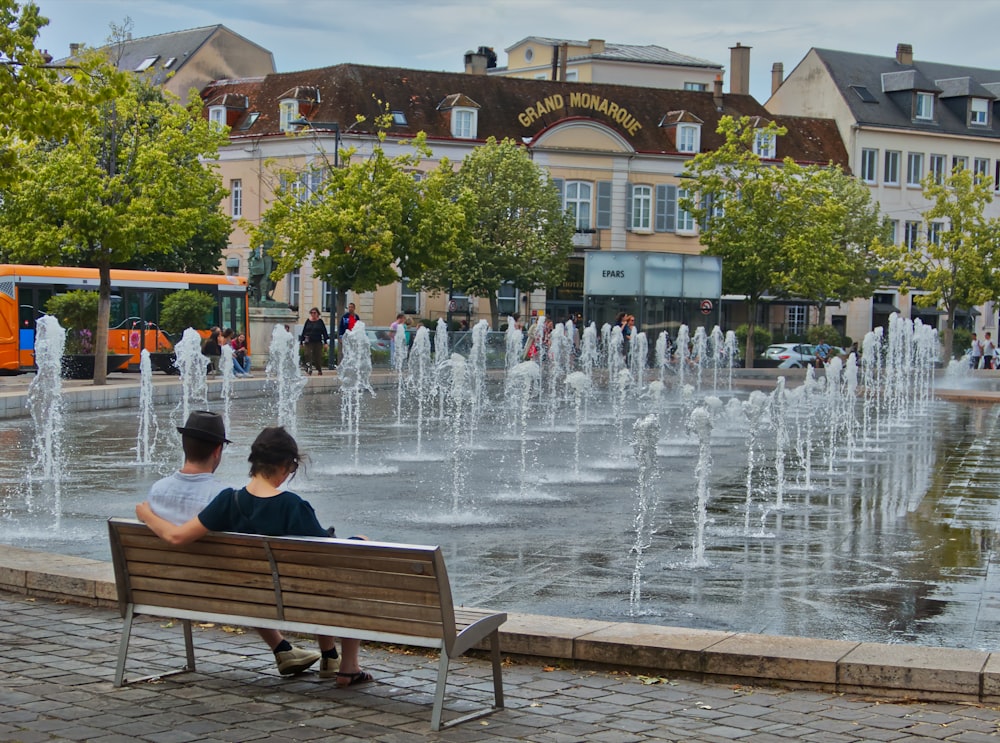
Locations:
{"points": [[376, 591]]}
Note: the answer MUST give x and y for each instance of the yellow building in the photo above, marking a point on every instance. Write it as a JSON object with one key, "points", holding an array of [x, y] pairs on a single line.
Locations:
{"points": [[616, 153]]}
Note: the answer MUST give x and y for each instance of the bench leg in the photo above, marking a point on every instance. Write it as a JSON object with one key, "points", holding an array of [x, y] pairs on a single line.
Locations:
{"points": [[497, 670], [123, 646], [442, 681], [123, 651], [188, 645]]}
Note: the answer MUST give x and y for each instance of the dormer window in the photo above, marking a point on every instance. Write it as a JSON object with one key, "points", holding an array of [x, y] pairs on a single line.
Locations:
{"points": [[979, 112], [217, 116], [288, 112], [925, 107], [764, 144], [464, 123], [464, 115], [685, 128], [688, 138]]}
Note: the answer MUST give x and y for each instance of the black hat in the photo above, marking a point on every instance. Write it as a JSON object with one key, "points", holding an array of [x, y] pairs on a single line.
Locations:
{"points": [[205, 425]]}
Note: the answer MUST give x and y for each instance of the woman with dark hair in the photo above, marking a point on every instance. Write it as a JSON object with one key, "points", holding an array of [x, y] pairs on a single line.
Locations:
{"points": [[265, 507], [314, 338]]}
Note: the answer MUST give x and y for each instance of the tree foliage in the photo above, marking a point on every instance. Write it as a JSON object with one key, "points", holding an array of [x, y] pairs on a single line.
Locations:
{"points": [[33, 103], [187, 308], [515, 227], [785, 231], [132, 186], [362, 225], [956, 269]]}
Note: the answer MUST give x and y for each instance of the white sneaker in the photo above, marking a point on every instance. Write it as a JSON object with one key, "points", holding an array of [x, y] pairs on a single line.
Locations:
{"points": [[329, 667], [296, 660]]}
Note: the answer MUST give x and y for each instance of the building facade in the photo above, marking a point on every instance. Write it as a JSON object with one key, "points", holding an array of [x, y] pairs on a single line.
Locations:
{"points": [[615, 152], [598, 61], [900, 118]]}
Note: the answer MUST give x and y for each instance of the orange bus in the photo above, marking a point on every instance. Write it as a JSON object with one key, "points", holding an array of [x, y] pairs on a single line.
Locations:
{"points": [[136, 298]]}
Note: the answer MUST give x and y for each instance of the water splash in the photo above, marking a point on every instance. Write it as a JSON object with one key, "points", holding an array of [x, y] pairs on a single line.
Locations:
{"points": [[647, 432], [285, 376], [355, 371], [45, 400], [420, 379], [193, 367], [580, 384], [146, 437], [700, 424]]}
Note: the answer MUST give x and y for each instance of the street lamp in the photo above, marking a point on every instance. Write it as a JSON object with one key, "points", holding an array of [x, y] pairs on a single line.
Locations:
{"points": [[319, 126]]}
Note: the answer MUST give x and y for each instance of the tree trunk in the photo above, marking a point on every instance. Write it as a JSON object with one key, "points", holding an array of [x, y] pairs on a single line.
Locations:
{"points": [[949, 336], [103, 320], [748, 352], [494, 312]]}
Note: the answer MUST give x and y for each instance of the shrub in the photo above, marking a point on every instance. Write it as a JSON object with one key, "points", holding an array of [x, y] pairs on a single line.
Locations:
{"points": [[77, 312], [187, 308], [761, 339], [961, 341], [830, 334]]}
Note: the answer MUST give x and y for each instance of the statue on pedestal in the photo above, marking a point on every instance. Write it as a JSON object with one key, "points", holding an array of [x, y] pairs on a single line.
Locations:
{"points": [[259, 268]]}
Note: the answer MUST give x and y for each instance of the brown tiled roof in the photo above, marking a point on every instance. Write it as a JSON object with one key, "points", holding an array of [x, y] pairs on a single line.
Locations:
{"points": [[514, 107]]}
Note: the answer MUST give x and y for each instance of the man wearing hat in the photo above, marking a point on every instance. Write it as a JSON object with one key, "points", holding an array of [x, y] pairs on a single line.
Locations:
{"points": [[181, 496]]}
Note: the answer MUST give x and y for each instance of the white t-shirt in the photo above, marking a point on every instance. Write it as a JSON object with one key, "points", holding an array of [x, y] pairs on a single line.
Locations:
{"points": [[180, 497]]}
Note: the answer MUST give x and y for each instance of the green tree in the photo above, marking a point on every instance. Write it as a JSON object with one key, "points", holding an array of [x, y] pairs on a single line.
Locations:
{"points": [[956, 266], [808, 232], [133, 184], [515, 227], [187, 308], [364, 224], [748, 215], [842, 231], [34, 103]]}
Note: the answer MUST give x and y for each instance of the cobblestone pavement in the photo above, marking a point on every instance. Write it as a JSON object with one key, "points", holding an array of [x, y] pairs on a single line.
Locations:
{"points": [[58, 664]]}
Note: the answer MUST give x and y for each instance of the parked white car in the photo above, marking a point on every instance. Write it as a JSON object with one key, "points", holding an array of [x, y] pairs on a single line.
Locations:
{"points": [[790, 355]]}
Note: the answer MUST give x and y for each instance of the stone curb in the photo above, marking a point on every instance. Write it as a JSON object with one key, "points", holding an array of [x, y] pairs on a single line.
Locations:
{"points": [[889, 671]]}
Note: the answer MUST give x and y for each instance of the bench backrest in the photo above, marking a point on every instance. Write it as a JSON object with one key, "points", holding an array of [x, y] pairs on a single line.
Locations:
{"points": [[377, 586]]}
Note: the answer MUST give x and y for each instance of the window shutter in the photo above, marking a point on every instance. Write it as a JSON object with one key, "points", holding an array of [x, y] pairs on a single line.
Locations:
{"points": [[560, 185], [666, 209], [603, 205], [706, 203], [628, 206]]}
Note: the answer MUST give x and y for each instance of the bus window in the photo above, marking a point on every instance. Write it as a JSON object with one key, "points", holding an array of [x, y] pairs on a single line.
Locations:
{"points": [[117, 311]]}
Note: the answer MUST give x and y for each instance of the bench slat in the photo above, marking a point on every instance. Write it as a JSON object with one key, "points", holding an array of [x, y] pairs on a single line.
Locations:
{"points": [[340, 558], [373, 610], [205, 605], [357, 582], [219, 544], [257, 564], [372, 624], [231, 593], [205, 575]]}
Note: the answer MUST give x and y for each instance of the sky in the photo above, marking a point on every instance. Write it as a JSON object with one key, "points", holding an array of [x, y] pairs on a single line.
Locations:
{"points": [[435, 34]]}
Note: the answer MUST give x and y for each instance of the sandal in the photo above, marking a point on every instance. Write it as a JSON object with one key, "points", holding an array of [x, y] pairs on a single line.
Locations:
{"points": [[353, 679]]}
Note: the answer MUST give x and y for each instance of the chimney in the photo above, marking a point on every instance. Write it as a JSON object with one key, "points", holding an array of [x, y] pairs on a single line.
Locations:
{"points": [[739, 69], [777, 76], [564, 54], [904, 54], [475, 63], [717, 93], [596, 46], [74, 49]]}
